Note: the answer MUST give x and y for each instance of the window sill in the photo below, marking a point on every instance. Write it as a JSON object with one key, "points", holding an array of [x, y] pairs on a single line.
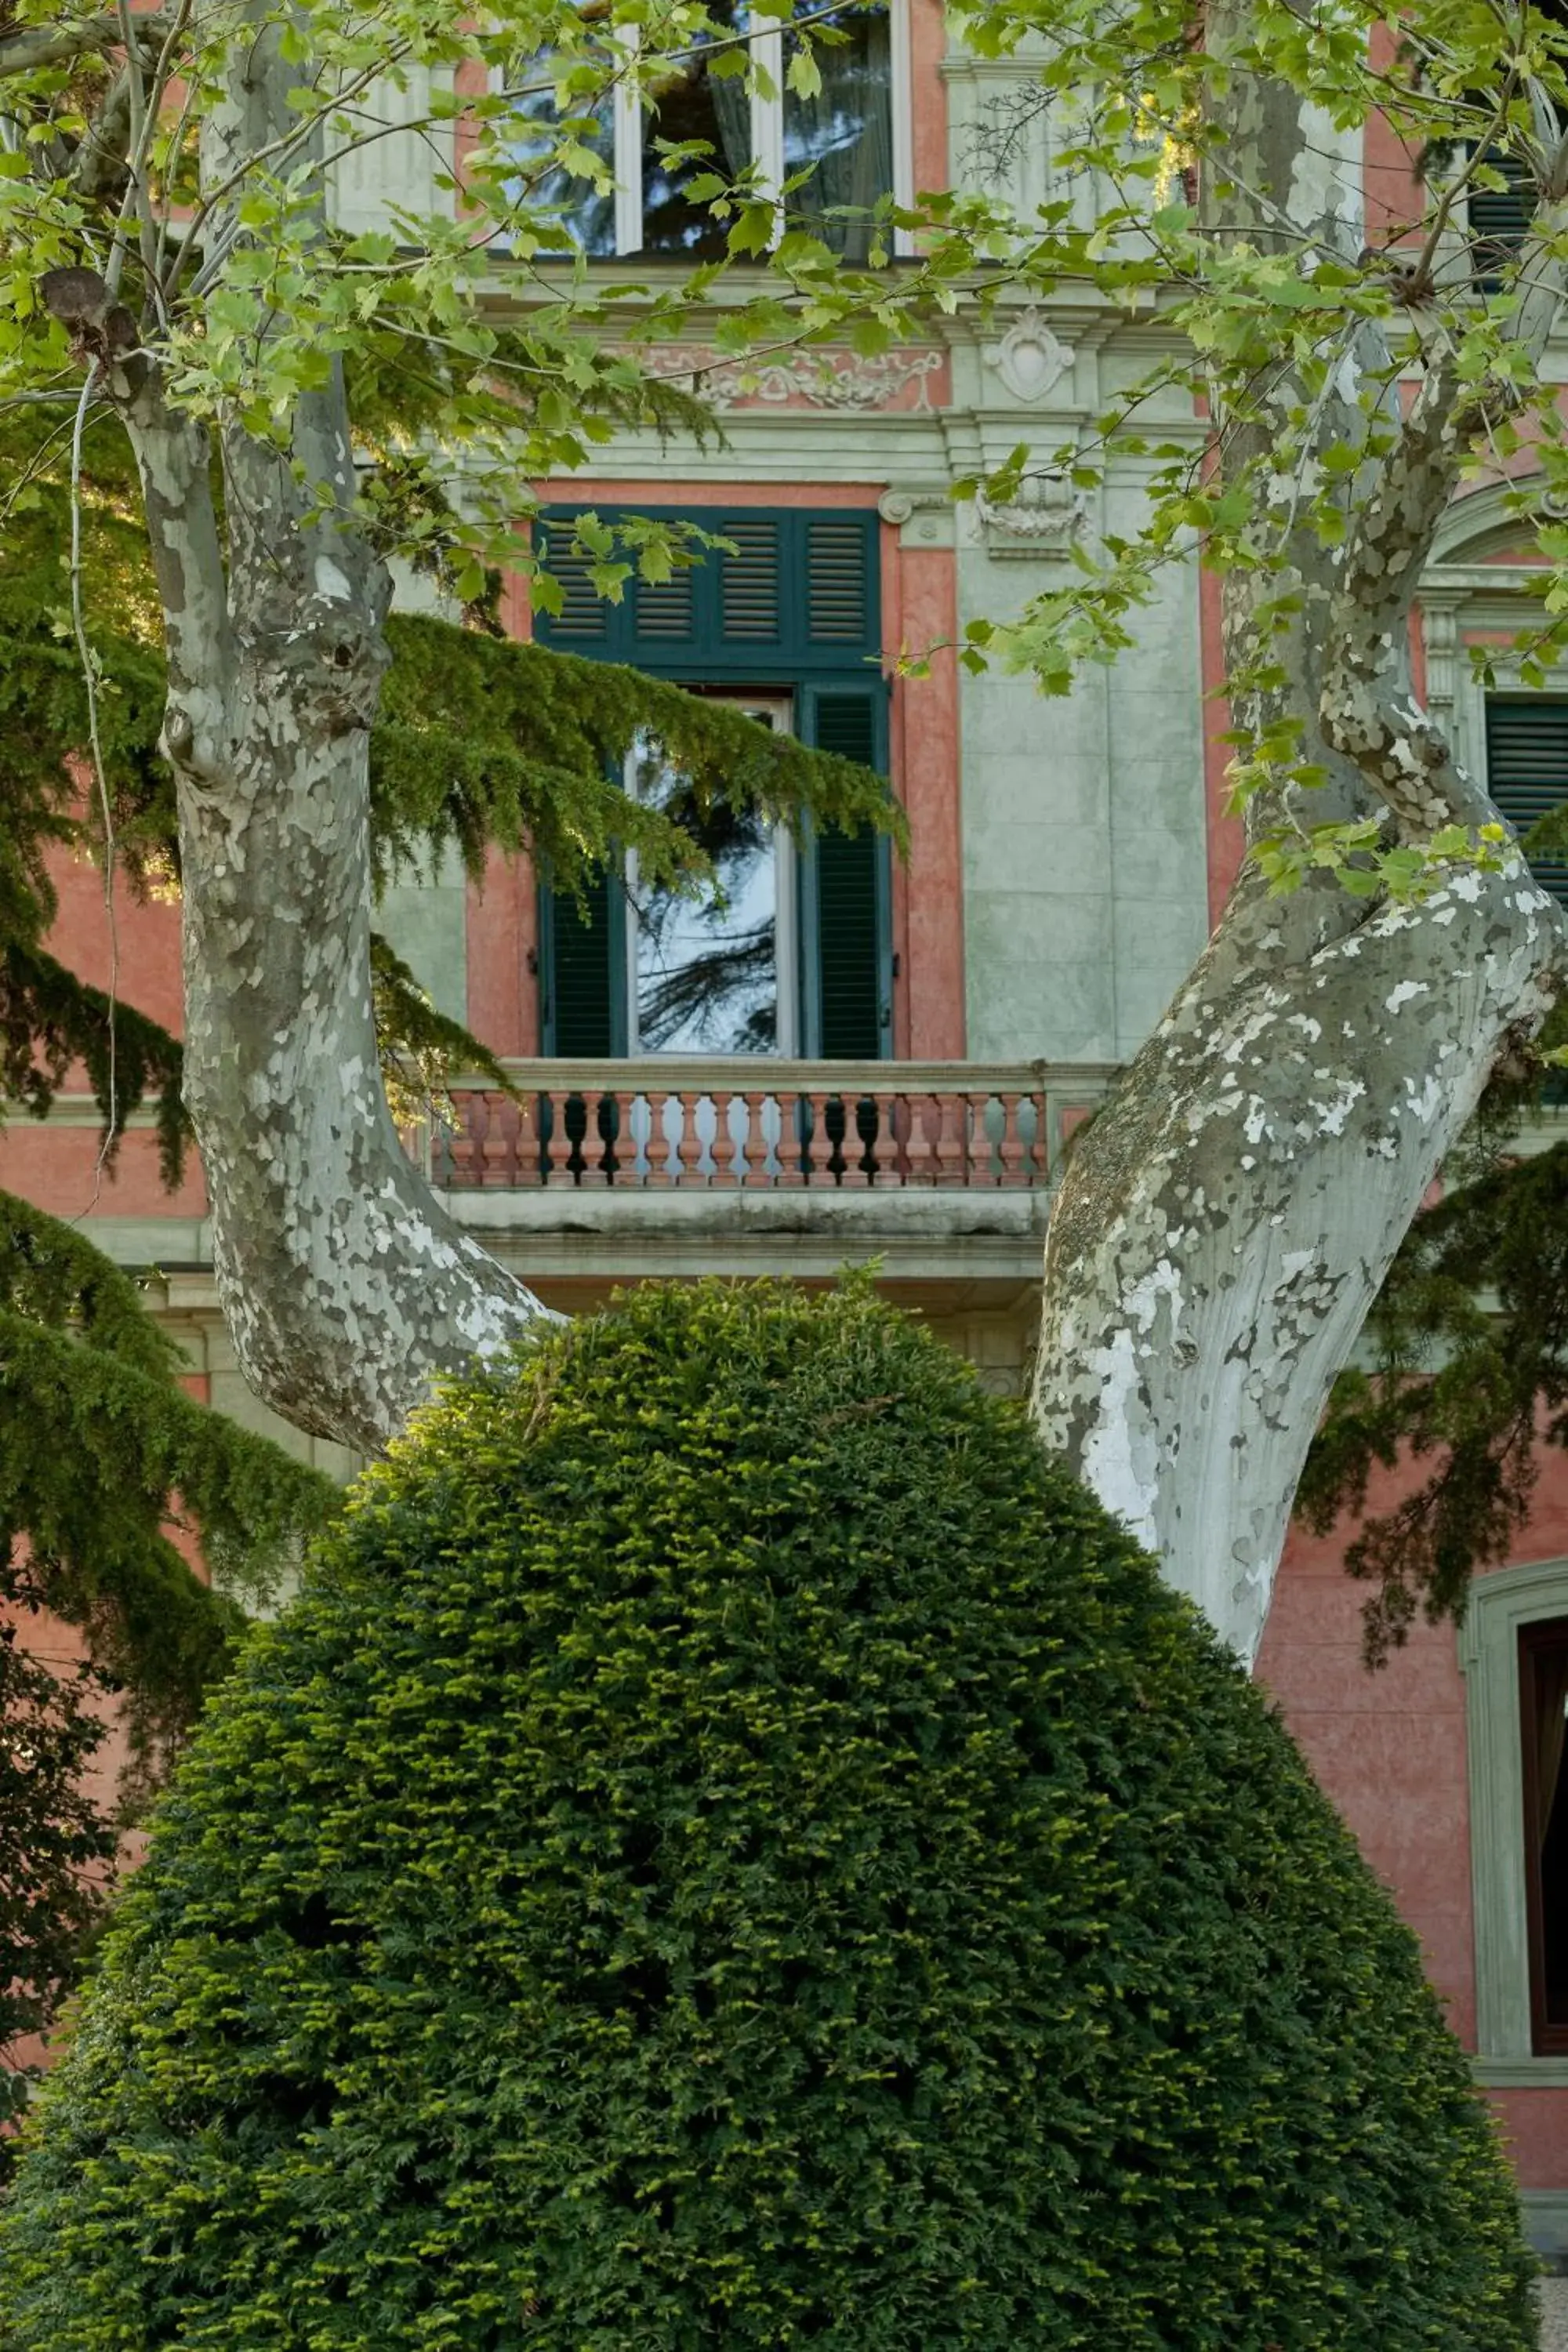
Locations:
{"points": [[1521, 2074]]}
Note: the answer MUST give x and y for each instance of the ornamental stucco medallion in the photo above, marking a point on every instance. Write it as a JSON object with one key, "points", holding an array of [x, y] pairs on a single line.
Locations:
{"points": [[1030, 358]]}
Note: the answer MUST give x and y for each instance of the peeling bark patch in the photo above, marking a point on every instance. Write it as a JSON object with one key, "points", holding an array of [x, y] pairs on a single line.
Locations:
{"points": [[1214, 1248]]}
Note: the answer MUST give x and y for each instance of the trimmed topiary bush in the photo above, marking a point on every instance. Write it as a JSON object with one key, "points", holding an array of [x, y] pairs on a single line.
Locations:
{"points": [[732, 1848]]}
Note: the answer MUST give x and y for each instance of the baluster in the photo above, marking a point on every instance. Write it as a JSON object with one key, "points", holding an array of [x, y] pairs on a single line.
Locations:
{"points": [[616, 1127], [1012, 1150], [728, 1151], [460, 1147], [638, 1144], [816, 1145], [837, 1132], [662, 1169], [477, 1126], [859, 1135], [951, 1149], [493, 1164], [928, 1164], [787, 1151], [875, 1122], [896, 1167], [1032, 1125], [587, 1163], [558, 1147], [688, 1143], [533, 1126], [1068, 1121]]}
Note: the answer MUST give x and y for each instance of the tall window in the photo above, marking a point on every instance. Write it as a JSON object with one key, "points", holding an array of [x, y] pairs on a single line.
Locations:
{"points": [[1543, 1718], [793, 955], [851, 135]]}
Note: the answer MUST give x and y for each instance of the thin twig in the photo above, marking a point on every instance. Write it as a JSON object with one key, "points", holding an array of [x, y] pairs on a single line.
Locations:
{"points": [[95, 741]]}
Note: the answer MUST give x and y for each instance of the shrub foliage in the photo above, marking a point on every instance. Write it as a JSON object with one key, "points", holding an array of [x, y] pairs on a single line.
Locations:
{"points": [[732, 1847]]}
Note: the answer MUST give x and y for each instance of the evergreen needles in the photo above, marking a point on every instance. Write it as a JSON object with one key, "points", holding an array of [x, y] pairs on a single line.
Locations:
{"points": [[732, 1847]]}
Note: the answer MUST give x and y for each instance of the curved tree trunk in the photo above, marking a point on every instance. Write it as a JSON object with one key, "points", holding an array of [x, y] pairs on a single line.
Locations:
{"points": [[1227, 1218], [1225, 1224]]}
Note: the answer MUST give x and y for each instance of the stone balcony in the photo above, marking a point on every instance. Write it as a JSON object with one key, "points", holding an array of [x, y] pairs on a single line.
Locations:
{"points": [[618, 1169], [593, 1173]]}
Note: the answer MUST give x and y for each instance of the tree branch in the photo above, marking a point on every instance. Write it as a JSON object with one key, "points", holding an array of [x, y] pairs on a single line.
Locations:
{"points": [[38, 47], [1363, 712]]}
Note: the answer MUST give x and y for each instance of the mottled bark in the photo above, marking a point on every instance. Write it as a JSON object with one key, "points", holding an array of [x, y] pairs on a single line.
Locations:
{"points": [[1226, 1220], [345, 1287]]}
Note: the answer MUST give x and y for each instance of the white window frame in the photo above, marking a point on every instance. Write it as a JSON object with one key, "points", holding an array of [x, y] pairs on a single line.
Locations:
{"points": [[780, 707], [1502, 1603], [767, 125]]}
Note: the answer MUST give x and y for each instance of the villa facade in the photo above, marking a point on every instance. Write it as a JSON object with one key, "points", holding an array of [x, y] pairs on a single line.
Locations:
{"points": [[883, 1056]]}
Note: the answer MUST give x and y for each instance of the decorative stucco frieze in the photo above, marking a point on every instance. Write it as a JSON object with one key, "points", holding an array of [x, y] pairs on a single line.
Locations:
{"points": [[831, 380]]}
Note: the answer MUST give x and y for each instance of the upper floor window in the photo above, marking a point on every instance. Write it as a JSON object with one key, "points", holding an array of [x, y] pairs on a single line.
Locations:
{"points": [[850, 136], [1543, 1716]]}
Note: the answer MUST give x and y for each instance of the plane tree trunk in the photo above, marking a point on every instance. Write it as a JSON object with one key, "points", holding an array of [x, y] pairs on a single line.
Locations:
{"points": [[1228, 1219]]}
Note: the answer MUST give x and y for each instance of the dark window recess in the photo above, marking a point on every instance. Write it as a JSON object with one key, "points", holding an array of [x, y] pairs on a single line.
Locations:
{"points": [[1543, 1713], [1527, 770]]}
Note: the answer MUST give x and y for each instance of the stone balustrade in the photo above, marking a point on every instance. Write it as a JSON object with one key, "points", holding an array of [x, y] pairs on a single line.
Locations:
{"points": [[764, 1125]]}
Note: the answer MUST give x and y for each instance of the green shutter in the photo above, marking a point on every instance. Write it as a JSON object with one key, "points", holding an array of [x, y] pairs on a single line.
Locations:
{"points": [[795, 593], [583, 962], [1499, 220], [847, 939], [1527, 770]]}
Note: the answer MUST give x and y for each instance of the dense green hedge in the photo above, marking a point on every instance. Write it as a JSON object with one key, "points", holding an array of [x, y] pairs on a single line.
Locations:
{"points": [[732, 1848]]}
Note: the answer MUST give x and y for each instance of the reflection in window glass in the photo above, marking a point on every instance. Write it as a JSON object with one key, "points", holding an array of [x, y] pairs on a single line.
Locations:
{"points": [[586, 214], [1544, 1691], [690, 103], [707, 971], [845, 133]]}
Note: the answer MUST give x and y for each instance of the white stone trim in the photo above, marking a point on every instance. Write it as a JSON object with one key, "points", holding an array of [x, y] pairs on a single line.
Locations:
{"points": [[1545, 2215], [903, 106], [1501, 1603]]}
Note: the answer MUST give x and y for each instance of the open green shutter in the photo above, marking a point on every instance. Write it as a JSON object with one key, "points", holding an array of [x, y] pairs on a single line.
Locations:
{"points": [[847, 934], [793, 592], [583, 962], [1527, 769]]}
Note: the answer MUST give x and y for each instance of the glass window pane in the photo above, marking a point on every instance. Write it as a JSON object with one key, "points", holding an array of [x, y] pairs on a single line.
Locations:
{"points": [[1546, 1704], [688, 103], [706, 975], [845, 133], [586, 214]]}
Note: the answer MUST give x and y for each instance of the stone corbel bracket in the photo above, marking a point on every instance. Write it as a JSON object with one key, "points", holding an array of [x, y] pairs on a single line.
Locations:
{"points": [[924, 514], [1042, 524]]}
